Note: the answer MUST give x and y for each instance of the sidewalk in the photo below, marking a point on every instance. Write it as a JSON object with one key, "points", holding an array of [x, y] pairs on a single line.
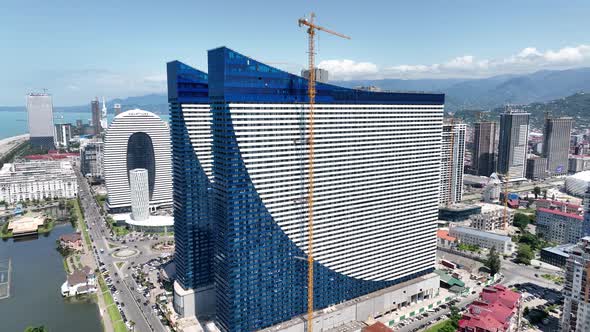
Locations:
{"points": [[88, 259]]}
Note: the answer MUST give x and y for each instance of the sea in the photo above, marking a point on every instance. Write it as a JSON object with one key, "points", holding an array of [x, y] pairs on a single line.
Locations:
{"points": [[13, 123]]}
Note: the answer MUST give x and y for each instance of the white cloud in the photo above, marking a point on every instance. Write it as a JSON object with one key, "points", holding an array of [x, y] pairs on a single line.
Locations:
{"points": [[348, 69], [529, 59]]}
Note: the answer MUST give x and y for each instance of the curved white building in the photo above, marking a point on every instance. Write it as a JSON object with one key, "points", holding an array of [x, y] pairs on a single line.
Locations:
{"points": [[137, 139], [578, 183]]}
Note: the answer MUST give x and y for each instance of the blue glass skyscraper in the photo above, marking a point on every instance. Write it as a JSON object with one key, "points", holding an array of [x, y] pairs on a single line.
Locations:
{"points": [[377, 179], [191, 163]]}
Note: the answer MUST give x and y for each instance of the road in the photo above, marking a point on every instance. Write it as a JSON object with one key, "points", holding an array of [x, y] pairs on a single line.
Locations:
{"points": [[144, 318], [464, 302], [8, 144]]}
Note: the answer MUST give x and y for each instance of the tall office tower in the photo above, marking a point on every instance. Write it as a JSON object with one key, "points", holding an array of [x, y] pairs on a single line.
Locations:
{"points": [[117, 108], [96, 117], [576, 290], [40, 120], [137, 139], [62, 134], [321, 75], [556, 144], [485, 145], [377, 177], [512, 152], [190, 122], [452, 163]]}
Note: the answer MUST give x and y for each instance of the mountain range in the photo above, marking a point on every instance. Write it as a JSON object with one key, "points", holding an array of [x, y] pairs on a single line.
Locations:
{"points": [[485, 94], [492, 92]]}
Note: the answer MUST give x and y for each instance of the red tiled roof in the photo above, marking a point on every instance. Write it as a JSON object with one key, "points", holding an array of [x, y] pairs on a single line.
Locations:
{"points": [[561, 213], [493, 311], [481, 321], [444, 234], [377, 327], [560, 203]]}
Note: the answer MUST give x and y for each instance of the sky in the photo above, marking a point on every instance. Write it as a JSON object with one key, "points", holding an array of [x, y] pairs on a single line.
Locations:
{"points": [[81, 49]]}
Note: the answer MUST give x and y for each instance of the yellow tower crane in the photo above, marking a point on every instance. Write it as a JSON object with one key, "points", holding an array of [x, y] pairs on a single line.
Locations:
{"points": [[311, 31]]}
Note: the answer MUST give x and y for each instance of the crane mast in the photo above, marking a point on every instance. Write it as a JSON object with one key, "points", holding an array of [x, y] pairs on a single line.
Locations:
{"points": [[311, 91]]}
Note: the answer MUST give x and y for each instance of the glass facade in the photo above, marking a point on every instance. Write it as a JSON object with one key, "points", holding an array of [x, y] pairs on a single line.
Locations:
{"points": [[231, 140], [259, 275], [193, 232], [140, 154]]}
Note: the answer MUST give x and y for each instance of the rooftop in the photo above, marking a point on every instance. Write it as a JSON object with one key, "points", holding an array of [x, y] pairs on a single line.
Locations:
{"points": [[561, 213], [444, 234], [377, 327], [562, 250], [476, 232], [559, 203], [72, 237]]}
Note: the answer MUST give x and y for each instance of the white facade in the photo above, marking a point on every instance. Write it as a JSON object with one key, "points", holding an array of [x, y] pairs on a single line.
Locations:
{"points": [[40, 114], [487, 240], [115, 161], [452, 163], [63, 134], [138, 181], [36, 180], [376, 174], [576, 307], [577, 184]]}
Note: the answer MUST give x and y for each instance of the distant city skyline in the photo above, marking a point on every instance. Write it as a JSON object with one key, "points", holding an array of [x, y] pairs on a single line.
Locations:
{"points": [[389, 40]]}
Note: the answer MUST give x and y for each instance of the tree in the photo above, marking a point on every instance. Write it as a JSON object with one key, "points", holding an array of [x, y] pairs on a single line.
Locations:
{"points": [[537, 191], [544, 193], [524, 254], [521, 221], [493, 261], [454, 316], [36, 329], [526, 311], [532, 240]]}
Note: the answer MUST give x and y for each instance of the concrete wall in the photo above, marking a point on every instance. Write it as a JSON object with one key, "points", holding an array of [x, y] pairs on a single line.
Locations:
{"points": [[361, 309]]}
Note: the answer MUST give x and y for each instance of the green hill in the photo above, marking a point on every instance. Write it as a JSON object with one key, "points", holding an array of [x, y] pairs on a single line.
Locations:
{"points": [[576, 106]]}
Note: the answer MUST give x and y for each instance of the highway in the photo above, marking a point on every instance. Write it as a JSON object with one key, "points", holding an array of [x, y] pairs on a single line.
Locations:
{"points": [[143, 316]]}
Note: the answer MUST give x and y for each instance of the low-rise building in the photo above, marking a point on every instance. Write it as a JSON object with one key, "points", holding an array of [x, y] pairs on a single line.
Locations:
{"points": [[483, 239], [556, 256], [560, 227], [578, 164], [558, 205], [79, 282], [498, 309], [37, 180], [25, 225], [443, 239], [491, 217], [458, 212], [71, 241]]}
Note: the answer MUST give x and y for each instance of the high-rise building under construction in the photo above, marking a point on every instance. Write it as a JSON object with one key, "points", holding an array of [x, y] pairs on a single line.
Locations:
{"points": [[240, 155]]}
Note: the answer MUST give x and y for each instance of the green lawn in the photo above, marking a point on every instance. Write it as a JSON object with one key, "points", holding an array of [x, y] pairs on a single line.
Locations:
{"points": [[112, 310], [81, 221], [439, 326]]}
